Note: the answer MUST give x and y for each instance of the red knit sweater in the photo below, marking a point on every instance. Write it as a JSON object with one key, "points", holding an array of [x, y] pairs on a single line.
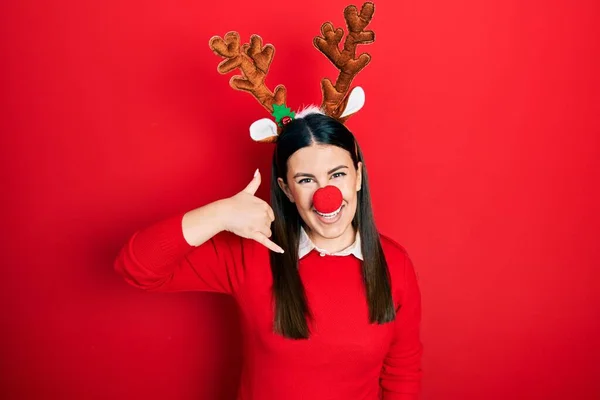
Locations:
{"points": [[345, 358]]}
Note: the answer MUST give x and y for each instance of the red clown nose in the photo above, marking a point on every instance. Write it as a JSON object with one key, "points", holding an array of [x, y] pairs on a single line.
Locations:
{"points": [[327, 199]]}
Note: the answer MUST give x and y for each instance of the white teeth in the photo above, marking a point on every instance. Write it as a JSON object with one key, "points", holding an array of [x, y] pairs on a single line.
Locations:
{"points": [[330, 215]]}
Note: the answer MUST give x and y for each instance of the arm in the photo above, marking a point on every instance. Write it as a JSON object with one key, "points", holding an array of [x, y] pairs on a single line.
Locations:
{"points": [[189, 251], [401, 372], [202, 249]]}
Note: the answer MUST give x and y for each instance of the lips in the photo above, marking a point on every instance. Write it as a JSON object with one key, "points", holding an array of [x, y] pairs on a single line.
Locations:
{"points": [[330, 215], [330, 218]]}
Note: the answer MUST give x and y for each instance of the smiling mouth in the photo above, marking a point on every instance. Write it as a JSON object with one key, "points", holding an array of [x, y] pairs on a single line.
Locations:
{"points": [[330, 215]]}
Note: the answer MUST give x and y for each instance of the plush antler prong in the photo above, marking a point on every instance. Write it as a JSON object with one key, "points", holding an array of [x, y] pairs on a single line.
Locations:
{"points": [[253, 60], [335, 95]]}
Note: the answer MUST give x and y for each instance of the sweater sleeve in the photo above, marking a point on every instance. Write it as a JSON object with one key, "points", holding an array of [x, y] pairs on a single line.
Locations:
{"points": [[158, 258], [401, 372]]}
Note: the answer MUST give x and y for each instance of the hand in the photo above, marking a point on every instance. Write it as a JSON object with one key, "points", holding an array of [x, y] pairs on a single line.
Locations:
{"points": [[249, 216]]}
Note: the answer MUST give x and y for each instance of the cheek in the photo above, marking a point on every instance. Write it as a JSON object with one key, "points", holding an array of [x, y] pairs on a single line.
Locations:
{"points": [[351, 198], [302, 197], [349, 190]]}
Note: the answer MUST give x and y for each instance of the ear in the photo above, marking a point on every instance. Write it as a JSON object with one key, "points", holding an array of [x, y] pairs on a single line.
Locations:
{"points": [[356, 101], [359, 169], [286, 189], [264, 129]]}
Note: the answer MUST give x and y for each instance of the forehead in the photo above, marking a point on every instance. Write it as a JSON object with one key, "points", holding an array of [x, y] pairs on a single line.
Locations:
{"points": [[318, 157]]}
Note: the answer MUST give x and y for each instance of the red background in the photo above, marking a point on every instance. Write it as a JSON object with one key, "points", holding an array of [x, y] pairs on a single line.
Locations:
{"points": [[481, 132]]}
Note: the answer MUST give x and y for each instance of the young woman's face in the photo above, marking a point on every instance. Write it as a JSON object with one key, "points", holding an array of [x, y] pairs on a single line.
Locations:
{"points": [[317, 166]]}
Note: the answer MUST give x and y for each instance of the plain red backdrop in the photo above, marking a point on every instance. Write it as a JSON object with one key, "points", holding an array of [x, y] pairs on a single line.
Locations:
{"points": [[481, 133]]}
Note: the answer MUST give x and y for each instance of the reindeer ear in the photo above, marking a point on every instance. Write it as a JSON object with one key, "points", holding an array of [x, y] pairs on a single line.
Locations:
{"points": [[356, 101], [263, 130]]}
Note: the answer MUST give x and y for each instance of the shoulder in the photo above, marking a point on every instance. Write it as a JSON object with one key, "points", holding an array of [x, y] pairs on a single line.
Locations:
{"points": [[394, 252], [238, 244], [246, 253], [400, 265]]}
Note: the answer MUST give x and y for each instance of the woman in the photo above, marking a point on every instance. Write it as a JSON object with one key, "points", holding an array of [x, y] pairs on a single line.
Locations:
{"points": [[332, 311]]}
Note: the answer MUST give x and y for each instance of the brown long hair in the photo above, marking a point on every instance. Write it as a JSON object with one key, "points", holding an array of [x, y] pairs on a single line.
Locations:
{"points": [[291, 306]]}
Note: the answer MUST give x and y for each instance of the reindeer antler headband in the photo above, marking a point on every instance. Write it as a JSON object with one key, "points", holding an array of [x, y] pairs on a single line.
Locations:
{"points": [[253, 60]]}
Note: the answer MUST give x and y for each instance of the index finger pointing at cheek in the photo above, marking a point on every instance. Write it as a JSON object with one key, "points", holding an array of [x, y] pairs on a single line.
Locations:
{"points": [[265, 241]]}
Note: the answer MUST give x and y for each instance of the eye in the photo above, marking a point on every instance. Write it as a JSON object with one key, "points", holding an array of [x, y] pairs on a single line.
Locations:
{"points": [[338, 174], [304, 180]]}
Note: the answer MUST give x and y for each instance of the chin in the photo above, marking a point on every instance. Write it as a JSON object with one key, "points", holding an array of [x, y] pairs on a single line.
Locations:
{"points": [[331, 233]]}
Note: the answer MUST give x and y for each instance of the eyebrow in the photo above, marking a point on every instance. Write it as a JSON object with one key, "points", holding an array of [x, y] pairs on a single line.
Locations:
{"points": [[299, 174]]}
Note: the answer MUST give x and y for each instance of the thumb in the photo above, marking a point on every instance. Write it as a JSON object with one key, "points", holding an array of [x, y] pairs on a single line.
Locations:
{"points": [[254, 184]]}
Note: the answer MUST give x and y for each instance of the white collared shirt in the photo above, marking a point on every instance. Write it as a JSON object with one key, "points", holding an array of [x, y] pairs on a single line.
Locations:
{"points": [[306, 246]]}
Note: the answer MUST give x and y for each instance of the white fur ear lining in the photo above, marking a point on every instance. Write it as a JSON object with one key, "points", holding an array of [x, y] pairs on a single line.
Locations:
{"points": [[356, 101], [263, 129]]}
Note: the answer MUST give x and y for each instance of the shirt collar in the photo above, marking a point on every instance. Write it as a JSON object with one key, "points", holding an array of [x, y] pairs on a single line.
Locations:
{"points": [[306, 246]]}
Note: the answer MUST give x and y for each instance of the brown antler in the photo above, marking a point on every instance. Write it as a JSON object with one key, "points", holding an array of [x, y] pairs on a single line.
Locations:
{"points": [[253, 60], [335, 95]]}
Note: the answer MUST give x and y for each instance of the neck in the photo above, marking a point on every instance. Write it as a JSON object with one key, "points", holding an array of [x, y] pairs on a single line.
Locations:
{"points": [[336, 244]]}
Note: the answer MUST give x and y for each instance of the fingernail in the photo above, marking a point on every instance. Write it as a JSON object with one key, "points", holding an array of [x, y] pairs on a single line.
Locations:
{"points": [[256, 173]]}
